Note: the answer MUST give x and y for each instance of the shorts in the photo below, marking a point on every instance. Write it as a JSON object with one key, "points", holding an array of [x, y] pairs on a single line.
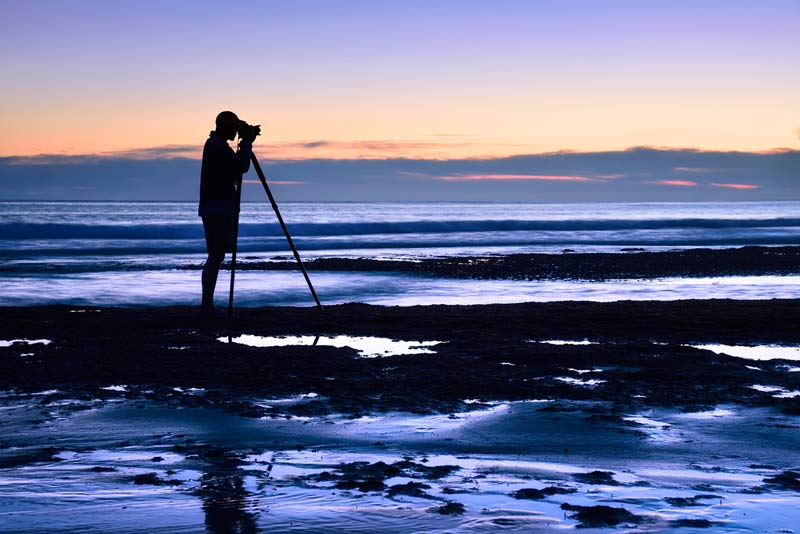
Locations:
{"points": [[219, 233]]}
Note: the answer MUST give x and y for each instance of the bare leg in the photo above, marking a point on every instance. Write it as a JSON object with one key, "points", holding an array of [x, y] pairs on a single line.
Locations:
{"points": [[209, 279]]}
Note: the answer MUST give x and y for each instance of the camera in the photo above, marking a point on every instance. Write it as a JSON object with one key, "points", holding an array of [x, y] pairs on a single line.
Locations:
{"points": [[248, 131]]}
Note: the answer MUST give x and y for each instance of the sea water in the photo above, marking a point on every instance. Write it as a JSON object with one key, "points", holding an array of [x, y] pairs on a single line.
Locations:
{"points": [[142, 253]]}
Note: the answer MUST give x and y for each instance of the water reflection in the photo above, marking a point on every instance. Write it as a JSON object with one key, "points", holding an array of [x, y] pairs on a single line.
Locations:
{"points": [[229, 508], [564, 342], [367, 346], [11, 342], [229, 486], [757, 352]]}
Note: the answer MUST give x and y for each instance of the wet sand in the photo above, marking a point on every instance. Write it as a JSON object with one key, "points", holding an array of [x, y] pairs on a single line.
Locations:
{"points": [[124, 419], [122, 465], [486, 352]]}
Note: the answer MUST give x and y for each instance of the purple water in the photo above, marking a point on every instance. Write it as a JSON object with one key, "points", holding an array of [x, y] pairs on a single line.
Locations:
{"points": [[130, 253]]}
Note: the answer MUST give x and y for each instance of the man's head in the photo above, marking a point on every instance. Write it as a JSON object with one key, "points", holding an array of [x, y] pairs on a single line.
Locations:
{"points": [[227, 124]]}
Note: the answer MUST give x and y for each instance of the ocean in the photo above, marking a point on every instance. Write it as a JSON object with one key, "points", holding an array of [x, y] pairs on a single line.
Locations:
{"points": [[141, 253]]}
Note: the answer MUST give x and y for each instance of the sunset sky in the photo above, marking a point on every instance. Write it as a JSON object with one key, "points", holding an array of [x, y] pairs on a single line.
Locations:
{"points": [[414, 78], [418, 80]]}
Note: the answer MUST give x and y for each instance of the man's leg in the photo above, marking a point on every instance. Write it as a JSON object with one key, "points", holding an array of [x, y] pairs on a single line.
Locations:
{"points": [[209, 279], [218, 236]]}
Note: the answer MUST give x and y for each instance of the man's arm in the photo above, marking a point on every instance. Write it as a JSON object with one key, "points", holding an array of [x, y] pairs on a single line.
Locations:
{"points": [[243, 153], [227, 162]]}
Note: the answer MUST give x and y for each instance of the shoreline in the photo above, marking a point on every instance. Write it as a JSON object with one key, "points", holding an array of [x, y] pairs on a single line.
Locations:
{"points": [[156, 420], [571, 264], [634, 263], [519, 468]]}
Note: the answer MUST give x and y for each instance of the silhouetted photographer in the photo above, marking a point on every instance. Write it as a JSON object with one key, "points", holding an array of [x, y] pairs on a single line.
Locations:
{"points": [[220, 194]]}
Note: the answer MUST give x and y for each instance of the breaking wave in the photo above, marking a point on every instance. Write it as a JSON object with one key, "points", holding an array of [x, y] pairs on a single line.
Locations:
{"points": [[24, 231]]}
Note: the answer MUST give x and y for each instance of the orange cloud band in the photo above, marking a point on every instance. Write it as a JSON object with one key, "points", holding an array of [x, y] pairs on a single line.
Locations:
{"points": [[678, 183], [737, 186]]}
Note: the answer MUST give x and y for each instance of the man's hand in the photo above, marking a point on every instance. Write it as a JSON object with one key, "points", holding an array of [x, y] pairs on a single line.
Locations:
{"points": [[248, 132]]}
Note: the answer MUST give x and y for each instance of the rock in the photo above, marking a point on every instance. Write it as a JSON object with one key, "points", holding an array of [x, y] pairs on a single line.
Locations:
{"points": [[536, 494], [153, 479], [601, 516], [450, 508], [596, 477]]}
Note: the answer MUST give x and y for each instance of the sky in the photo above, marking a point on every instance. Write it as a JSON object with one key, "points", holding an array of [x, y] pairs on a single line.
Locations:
{"points": [[428, 81]]}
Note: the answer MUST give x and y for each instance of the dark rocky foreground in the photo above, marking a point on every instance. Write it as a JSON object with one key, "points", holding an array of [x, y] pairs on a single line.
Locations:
{"points": [[486, 354], [633, 263]]}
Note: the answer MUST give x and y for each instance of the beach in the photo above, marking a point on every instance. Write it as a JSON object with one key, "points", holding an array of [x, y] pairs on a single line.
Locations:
{"points": [[476, 367], [474, 418], [450, 267], [452, 352]]}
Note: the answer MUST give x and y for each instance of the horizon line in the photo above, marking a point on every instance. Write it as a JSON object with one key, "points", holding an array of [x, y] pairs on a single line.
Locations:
{"points": [[194, 153]]}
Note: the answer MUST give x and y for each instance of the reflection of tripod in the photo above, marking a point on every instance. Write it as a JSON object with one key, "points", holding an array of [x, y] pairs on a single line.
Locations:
{"points": [[261, 177]]}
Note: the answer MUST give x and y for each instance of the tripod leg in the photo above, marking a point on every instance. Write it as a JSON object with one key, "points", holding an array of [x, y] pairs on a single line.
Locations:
{"points": [[283, 226], [235, 246]]}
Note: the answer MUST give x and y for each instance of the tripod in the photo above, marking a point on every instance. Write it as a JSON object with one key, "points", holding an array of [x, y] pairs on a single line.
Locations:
{"points": [[263, 180]]}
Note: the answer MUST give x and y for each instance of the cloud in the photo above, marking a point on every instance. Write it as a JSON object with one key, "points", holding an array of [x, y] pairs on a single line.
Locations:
{"points": [[677, 183], [613, 176], [459, 148], [442, 146], [312, 144], [158, 152], [134, 154], [286, 150], [366, 149], [737, 186]]}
